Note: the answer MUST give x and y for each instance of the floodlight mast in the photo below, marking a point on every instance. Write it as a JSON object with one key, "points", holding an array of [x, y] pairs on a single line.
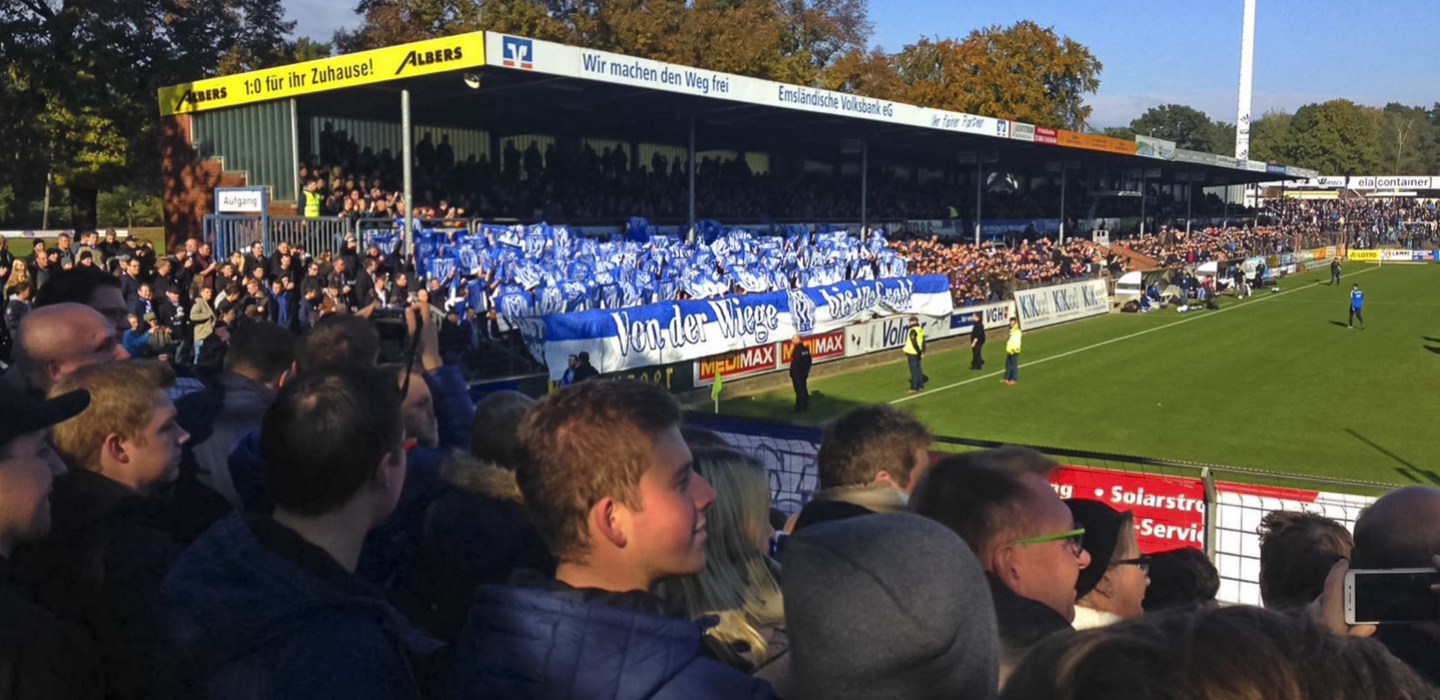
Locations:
{"points": [[1247, 76]]}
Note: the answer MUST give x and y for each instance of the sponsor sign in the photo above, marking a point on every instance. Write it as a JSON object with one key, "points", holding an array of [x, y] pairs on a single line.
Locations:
{"points": [[995, 315], [240, 200], [1364, 255], [1095, 142], [1187, 156], [1424, 255], [1169, 510], [679, 331], [741, 363], [1022, 132], [1002, 128], [889, 333], [829, 346], [517, 52], [363, 68], [1151, 147], [1395, 255], [1392, 182], [674, 377], [1046, 135], [1066, 302]]}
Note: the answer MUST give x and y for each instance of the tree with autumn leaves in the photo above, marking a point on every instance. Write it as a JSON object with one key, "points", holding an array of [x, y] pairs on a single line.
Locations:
{"points": [[1024, 72]]}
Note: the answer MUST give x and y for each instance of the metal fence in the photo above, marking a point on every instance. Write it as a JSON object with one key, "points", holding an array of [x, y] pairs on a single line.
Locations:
{"points": [[1228, 502]]}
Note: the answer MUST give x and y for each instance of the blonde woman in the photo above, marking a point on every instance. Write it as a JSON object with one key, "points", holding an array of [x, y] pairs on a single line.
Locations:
{"points": [[19, 274], [738, 585]]}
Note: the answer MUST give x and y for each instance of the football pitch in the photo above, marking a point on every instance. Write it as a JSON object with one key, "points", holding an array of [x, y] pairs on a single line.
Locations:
{"points": [[1274, 382]]}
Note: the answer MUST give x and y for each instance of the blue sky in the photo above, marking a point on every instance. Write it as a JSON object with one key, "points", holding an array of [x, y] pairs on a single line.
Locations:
{"points": [[1160, 51]]}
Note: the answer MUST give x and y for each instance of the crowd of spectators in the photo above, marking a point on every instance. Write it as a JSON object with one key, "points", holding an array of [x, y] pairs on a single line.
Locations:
{"points": [[991, 271], [1175, 247], [312, 522], [1368, 222]]}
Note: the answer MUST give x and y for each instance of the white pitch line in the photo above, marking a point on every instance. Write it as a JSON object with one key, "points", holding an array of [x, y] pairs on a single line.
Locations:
{"points": [[1103, 343]]}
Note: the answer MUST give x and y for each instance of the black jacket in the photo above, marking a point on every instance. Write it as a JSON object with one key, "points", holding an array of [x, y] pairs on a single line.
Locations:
{"points": [[1023, 622], [584, 371], [108, 551], [977, 333], [800, 362], [41, 656]]}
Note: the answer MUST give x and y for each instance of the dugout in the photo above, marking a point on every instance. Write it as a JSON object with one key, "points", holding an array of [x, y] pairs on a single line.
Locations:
{"points": [[486, 91]]}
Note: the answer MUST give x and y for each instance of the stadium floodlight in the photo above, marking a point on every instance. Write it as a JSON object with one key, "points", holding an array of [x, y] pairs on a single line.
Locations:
{"points": [[1247, 77]]}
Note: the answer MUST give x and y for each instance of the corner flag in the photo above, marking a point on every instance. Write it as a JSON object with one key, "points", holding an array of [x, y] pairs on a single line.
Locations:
{"points": [[715, 388]]}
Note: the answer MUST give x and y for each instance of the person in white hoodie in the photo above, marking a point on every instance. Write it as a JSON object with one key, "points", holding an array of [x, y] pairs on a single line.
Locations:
{"points": [[1113, 587]]}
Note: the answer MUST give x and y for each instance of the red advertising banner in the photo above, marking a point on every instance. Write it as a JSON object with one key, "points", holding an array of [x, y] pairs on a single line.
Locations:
{"points": [[1046, 135], [740, 363], [1096, 142], [822, 347], [1169, 510]]}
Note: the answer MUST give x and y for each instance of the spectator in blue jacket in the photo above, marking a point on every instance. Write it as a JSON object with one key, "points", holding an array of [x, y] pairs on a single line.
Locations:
{"points": [[270, 606], [609, 484]]}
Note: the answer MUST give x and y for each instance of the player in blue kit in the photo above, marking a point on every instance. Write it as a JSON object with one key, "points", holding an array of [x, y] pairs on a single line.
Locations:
{"points": [[1357, 301]]}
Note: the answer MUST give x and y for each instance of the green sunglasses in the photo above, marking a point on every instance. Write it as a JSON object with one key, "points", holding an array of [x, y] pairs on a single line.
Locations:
{"points": [[1076, 538]]}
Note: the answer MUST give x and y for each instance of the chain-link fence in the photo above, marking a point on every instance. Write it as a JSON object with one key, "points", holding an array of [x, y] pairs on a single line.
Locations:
{"points": [[1177, 504]]}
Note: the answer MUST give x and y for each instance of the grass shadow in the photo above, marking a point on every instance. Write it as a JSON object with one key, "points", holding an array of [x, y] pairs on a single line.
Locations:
{"points": [[1429, 339], [1341, 324], [1433, 349]]}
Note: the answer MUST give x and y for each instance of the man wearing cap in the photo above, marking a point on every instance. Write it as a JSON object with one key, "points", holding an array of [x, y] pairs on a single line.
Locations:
{"points": [[914, 349], [41, 656]]}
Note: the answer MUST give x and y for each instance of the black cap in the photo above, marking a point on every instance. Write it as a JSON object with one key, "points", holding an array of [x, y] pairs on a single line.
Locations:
{"points": [[1102, 536], [21, 415]]}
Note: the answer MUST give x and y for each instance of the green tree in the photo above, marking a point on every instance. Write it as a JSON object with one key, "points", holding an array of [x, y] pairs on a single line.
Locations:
{"points": [[81, 77], [1337, 138], [1270, 138], [1402, 132], [307, 49], [1023, 72], [1188, 127]]}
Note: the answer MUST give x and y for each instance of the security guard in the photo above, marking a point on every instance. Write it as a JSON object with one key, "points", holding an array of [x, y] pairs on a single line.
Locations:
{"points": [[914, 351], [312, 199], [800, 363], [1012, 353]]}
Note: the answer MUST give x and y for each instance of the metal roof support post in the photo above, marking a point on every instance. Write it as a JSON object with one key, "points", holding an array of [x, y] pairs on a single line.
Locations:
{"points": [[294, 166], [1144, 188], [979, 192], [406, 146], [864, 185], [1062, 201], [690, 171], [1189, 199]]}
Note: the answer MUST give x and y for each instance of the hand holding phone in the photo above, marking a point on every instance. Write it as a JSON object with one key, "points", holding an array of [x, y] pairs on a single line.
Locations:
{"points": [[1388, 596]]}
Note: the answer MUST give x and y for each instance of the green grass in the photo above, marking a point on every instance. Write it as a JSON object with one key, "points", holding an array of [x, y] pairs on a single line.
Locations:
{"points": [[1274, 382]]}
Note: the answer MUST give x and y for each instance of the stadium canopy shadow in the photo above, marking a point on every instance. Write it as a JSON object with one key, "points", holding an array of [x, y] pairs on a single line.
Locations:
{"points": [[1410, 471]]}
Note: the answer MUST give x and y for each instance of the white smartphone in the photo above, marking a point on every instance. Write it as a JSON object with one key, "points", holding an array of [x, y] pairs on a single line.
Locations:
{"points": [[1380, 596]]}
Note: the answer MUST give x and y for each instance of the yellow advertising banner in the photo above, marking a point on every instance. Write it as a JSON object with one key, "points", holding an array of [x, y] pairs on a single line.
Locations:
{"points": [[1095, 142], [363, 68], [1365, 255]]}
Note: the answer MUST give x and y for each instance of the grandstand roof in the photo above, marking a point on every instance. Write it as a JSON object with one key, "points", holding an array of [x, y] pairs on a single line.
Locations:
{"points": [[513, 85]]}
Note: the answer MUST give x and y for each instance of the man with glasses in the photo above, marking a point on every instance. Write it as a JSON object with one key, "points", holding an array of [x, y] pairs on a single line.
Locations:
{"points": [[1032, 550]]}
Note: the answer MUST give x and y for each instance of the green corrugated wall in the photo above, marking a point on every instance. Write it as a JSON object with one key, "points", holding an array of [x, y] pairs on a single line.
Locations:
{"points": [[255, 139]]}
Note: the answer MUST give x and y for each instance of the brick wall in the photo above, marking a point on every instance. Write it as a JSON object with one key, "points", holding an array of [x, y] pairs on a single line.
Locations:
{"points": [[188, 183]]}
